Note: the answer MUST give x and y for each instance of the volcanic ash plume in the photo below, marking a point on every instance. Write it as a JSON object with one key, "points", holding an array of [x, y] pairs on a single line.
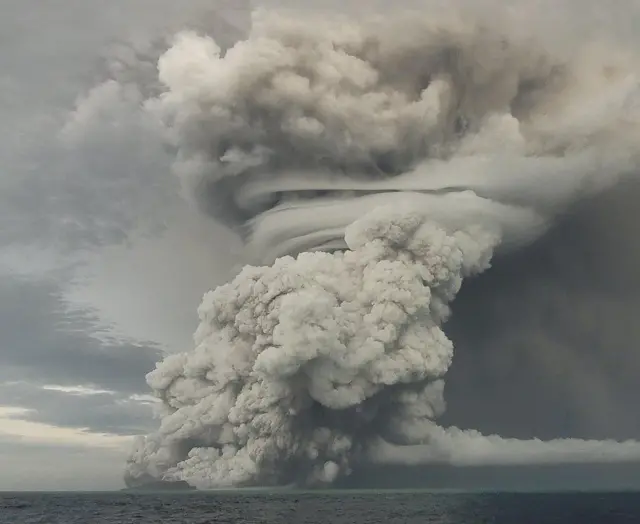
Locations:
{"points": [[375, 165]]}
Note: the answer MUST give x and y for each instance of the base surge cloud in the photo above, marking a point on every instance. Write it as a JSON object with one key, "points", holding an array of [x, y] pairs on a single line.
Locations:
{"points": [[370, 167]]}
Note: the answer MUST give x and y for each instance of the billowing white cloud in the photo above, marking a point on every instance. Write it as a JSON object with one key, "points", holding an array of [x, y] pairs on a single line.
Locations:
{"points": [[375, 165]]}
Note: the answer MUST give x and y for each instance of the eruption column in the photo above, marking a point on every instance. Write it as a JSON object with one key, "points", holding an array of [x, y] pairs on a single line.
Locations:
{"points": [[374, 166]]}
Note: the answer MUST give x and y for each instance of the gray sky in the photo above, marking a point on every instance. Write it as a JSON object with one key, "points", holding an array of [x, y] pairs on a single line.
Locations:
{"points": [[98, 275], [102, 264]]}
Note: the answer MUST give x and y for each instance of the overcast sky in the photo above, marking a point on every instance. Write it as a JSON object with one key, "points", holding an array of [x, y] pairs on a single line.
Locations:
{"points": [[97, 273], [102, 262]]}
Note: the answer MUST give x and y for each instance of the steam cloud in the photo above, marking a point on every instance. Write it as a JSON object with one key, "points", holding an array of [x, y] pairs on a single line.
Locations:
{"points": [[374, 166]]}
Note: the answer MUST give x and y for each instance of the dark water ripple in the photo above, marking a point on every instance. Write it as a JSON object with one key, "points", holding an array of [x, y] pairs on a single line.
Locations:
{"points": [[319, 508]]}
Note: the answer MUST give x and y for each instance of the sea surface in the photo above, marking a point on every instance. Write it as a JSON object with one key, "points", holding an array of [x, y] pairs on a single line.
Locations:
{"points": [[336, 507]]}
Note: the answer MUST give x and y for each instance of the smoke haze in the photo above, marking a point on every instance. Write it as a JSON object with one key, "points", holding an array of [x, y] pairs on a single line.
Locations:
{"points": [[371, 167]]}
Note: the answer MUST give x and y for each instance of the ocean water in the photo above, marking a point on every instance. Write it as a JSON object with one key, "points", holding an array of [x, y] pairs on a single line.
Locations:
{"points": [[337, 507]]}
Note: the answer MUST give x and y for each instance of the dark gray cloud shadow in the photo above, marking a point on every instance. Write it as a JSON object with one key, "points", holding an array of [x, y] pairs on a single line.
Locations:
{"points": [[112, 413], [41, 344], [547, 339]]}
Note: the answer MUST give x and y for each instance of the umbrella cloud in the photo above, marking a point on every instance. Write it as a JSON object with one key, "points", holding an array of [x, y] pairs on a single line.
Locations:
{"points": [[370, 167]]}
